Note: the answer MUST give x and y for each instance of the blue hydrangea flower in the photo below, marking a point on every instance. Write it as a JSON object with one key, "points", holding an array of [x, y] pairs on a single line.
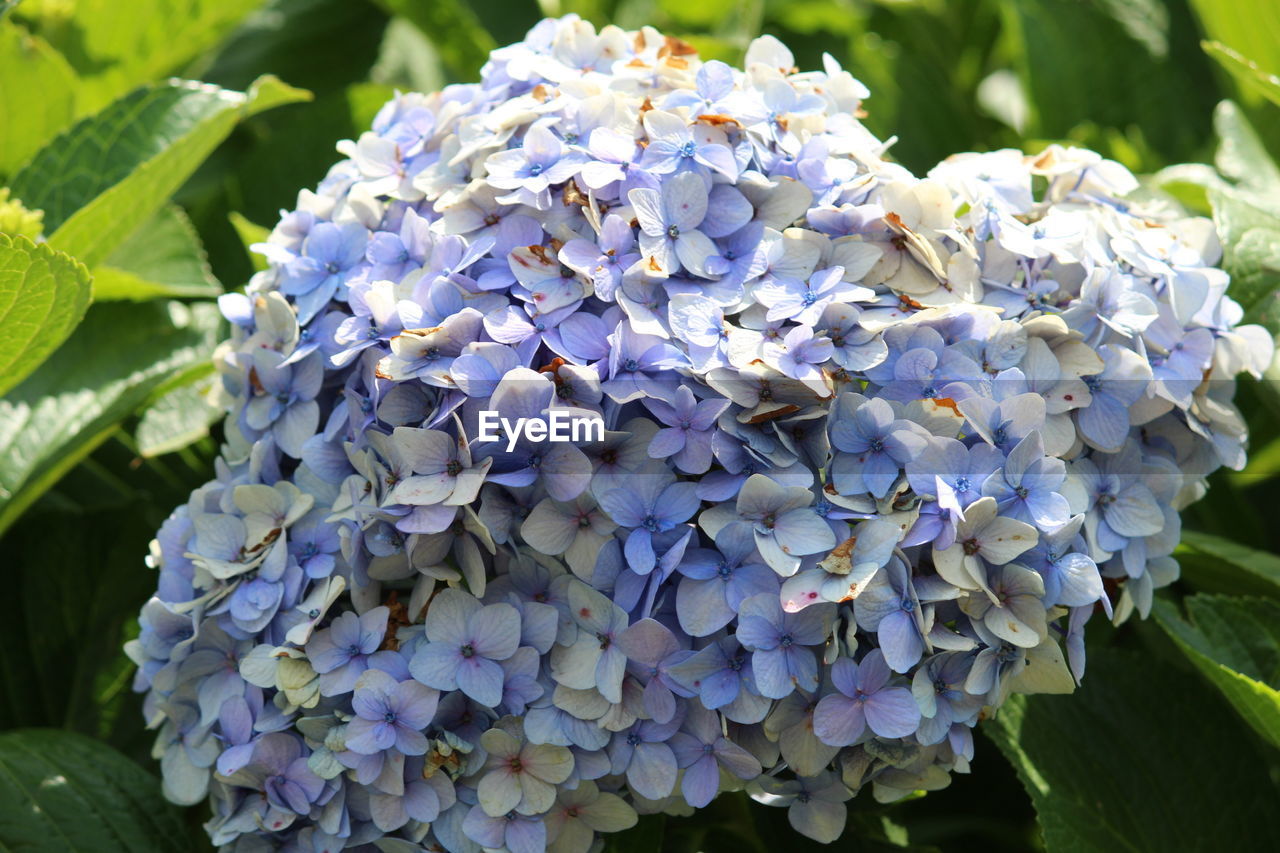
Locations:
{"points": [[831, 511], [779, 643], [866, 700], [389, 714], [466, 641], [340, 653]]}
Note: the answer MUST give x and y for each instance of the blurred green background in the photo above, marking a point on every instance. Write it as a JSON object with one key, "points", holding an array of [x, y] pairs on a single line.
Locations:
{"points": [[104, 438]]}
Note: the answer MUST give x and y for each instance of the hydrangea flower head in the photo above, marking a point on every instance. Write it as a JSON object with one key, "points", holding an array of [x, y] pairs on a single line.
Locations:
{"points": [[622, 428]]}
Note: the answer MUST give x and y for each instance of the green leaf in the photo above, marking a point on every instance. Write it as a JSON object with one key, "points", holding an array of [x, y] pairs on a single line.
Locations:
{"points": [[178, 418], [1250, 27], [250, 233], [1241, 155], [121, 353], [297, 40], [37, 94], [454, 29], [163, 258], [63, 791], [1245, 70], [1148, 84], [1138, 759], [115, 52], [43, 295], [1219, 564], [1235, 643], [101, 180], [407, 60], [1247, 216]]}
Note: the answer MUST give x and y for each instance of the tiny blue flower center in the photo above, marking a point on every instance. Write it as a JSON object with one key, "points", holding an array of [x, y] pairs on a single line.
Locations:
{"points": [[467, 651], [332, 268], [673, 231], [688, 149], [535, 169]]}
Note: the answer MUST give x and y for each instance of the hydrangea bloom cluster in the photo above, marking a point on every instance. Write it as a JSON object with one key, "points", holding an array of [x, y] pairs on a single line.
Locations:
{"points": [[860, 455]]}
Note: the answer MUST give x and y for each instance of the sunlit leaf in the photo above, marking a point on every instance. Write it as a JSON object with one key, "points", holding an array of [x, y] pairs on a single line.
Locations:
{"points": [[37, 94], [115, 52], [1235, 643], [43, 295], [99, 181], [163, 258], [178, 418], [117, 358]]}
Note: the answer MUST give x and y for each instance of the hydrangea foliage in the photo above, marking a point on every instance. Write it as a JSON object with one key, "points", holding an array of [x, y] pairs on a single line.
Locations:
{"points": [[869, 451]]}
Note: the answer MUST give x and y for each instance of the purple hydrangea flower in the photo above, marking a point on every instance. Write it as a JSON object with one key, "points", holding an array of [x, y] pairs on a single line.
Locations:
{"points": [[866, 700], [466, 641], [389, 714], [340, 653], [779, 643]]}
